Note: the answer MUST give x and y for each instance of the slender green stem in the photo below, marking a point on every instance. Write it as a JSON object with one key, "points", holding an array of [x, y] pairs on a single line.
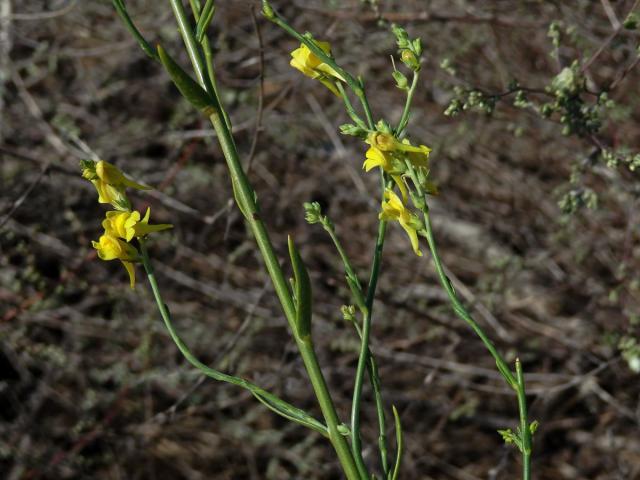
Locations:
{"points": [[459, 309], [361, 94], [349, 107], [247, 202], [382, 423], [372, 367], [190, 42], [516, 382], [208, 59], [245, 194], [524, 424], [363, 360], [404, 119]]}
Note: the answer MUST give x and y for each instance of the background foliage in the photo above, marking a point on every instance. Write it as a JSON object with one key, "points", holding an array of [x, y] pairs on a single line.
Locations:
{"points": [[92, 386]]}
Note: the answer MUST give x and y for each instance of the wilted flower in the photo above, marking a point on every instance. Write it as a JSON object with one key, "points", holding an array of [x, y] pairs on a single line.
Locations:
{"points": [[388, 143], [110, 183], [308, 63], [394, 209]]}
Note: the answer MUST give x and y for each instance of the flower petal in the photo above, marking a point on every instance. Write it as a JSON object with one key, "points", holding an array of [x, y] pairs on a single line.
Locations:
{"points": [[131, 270]]}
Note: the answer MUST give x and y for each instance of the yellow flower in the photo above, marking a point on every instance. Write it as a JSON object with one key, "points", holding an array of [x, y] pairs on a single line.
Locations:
{"points": [[128, 225], [110, 183], [308, 63], [390, 163], [112, 248], [394, 209]]}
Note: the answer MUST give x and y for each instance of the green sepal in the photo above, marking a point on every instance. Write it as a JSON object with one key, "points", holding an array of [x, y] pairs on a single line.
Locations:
{"points": [[121, 9], [303, 298], [206, 15], [189, 88]]}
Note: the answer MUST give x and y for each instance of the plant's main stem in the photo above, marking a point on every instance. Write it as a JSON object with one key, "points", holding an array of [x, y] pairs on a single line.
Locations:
{"points": [[246, 200]]}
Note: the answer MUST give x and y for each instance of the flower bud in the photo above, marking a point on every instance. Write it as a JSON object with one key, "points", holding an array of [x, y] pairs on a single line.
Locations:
{"points": [[401, 80], [410, 60]]}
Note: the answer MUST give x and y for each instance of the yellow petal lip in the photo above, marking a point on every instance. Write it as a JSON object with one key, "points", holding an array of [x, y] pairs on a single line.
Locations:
{"points": [[112, 248], [131, 270], [374, 158], [394, 209]]}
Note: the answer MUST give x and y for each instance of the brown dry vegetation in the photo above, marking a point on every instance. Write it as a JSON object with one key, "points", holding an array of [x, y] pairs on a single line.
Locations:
{"points": [[91, 385]]}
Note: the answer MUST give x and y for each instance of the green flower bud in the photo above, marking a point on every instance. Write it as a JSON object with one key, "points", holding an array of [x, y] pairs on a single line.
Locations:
{"points": [[313, 212], [267, 10], [401, 80], [410, 60]]}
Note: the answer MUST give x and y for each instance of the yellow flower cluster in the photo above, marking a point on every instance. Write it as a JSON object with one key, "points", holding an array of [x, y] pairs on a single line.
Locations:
{"points": [[393, 155], [396, 157], [122, 225], [307, 62]]}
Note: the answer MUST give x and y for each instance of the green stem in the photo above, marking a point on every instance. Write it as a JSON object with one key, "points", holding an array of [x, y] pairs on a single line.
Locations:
{"points": [[404, 119], [349, 107], [515, 382], [459, 309], [524, 424], [372, 367], [208, 59], [190, 42], [362, 95], [269, 400], [363, 360], [247, 202]]}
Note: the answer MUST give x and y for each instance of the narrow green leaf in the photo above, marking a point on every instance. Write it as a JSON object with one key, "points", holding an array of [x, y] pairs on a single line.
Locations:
{"points": [[290, 412], [272, 402], [357, 294], [121, 9], [189, 88], [302, 292], [400, 446], [206, 15], [507, 375]]}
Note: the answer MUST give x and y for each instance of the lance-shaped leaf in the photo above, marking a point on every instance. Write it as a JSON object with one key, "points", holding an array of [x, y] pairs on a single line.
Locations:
{"points": [[206, 14], [272, 402], [399, 444], [189, 88], [302, 292], [121, 8], [290, 412]]}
